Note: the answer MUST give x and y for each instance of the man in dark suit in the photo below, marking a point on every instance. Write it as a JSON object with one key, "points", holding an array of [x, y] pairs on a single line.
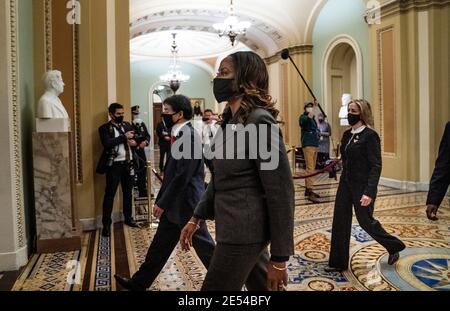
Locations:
{"points": [[440, 180], [142, 138], [164, 143], [116, 162], [182, 188]]}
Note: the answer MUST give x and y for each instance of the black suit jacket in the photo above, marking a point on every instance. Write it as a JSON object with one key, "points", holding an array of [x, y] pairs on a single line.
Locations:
{"points": [[109, 142], [141, 130], [142, 133], [362, 162], [441, 176], [159, 131], [183, 183]]}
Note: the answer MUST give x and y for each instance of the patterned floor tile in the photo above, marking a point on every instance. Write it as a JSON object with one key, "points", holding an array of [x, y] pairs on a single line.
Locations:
{"points": [[424, 265]]}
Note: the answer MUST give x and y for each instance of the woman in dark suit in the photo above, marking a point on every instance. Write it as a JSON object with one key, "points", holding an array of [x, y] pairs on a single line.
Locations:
{"points": [[252, 206], [361, 157]]}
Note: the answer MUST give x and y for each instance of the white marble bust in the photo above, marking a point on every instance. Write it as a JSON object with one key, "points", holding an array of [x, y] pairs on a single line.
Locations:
{"points": [[343, 113], [50, 106]]}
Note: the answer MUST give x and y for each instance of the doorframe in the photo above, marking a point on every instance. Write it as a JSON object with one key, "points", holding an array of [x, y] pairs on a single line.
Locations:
{"points": [[326, 69], [151, 90]]}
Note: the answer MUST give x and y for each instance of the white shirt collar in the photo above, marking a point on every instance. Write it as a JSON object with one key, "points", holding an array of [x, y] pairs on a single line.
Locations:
{"points": [[177, 128], [359, 130]]}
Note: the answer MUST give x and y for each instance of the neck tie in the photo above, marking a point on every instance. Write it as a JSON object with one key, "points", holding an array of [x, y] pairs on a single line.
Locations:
{"points": [[172, 139]]}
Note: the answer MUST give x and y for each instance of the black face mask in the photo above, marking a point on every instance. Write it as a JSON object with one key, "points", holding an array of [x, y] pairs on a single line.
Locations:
{"points": [[223, 89], [353, 119], [168, 120], [205, 119], [118, 120]]}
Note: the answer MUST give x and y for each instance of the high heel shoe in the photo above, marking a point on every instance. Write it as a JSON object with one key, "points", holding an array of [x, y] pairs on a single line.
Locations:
{"points": [[334, 270], [393, 258]]}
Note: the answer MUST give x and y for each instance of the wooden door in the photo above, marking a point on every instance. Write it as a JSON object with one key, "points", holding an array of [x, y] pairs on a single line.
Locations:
{"points": [[157, 111]]}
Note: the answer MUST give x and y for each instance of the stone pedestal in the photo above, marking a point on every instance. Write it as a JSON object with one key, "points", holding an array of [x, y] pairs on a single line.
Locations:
{"points": [[52, 125], [55, 222]]}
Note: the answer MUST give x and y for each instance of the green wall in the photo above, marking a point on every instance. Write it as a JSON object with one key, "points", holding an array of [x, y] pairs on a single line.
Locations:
{"points": [[27, 108], [144, 74], [340, 17]]}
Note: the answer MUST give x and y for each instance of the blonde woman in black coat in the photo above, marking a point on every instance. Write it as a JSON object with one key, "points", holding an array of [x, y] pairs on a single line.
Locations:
{"points": [[361, 157]]}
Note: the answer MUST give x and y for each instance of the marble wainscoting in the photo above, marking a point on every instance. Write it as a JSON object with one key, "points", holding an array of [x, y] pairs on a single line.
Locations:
{"points": [[52, 190]]}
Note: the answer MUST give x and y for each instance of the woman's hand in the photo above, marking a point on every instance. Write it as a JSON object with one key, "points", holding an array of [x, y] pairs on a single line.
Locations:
{"points": [[277, 277], [366, 201], [187, 233]]}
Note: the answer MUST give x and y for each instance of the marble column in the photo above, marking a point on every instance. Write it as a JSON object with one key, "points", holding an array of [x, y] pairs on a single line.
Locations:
{"points": [[54, 214], [13, 241]]}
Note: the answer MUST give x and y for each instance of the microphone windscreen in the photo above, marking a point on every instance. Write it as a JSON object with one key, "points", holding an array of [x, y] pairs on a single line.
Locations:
{"points": [[285, 54]]}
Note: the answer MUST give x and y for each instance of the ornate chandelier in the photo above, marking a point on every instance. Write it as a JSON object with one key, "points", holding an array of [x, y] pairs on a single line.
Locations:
{"points": [[174, 76], [232, 27]]}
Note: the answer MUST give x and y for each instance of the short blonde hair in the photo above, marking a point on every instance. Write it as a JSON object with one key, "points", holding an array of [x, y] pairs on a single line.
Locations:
{"points": [[366, 111]]}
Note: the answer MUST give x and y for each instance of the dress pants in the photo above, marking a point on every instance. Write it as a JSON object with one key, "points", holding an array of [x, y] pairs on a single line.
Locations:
{"points": [[164, 242], [234, 266], [141, 173], [347, 197], [118, 173], [310, 154]]}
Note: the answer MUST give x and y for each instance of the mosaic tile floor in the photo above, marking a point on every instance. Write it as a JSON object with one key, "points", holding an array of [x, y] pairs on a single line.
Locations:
{"points": [[424, 265]]}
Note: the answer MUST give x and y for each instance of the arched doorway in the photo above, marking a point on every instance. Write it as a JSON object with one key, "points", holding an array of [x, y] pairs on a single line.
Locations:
{"points": [[342, 74], [157, 94]]}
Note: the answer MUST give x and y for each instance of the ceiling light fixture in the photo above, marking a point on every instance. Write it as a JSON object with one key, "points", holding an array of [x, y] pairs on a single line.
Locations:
{"points": [[174, 76], [232, 27]]}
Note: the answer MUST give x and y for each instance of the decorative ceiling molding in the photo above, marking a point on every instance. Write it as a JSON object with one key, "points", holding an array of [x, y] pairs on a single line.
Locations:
{"points": [[191, 45], [262, 38], [402, 6], [149, 21], [295, 50]]}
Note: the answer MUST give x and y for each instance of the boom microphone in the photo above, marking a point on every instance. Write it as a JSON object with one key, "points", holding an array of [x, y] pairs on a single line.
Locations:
{"points": [[286, 55]]}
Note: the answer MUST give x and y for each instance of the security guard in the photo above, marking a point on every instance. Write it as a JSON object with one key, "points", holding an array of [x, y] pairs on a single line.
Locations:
{"points": [[142, 138]]}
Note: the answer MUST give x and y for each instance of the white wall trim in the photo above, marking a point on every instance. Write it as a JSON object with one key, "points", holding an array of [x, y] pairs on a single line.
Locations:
{"points": [[424, 97], [151, 90], [312, 19], [91, 224], [326, 94], [13, 261], [405, 185]]}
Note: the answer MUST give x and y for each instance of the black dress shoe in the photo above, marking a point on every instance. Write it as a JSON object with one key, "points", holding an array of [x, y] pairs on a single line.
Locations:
{"points": [[128, 284], [316, 195], [393, 258], [313, 199], [106, 232], [132, 224], [334, 270]]}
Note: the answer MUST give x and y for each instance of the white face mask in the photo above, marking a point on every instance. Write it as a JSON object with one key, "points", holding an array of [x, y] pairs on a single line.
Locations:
{"points": [[309, 110]]}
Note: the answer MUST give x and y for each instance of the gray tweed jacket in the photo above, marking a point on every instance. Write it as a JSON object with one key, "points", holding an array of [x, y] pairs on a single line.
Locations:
{"points": [[251, 205]]}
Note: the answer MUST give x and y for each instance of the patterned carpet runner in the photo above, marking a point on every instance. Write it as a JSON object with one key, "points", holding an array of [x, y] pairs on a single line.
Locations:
{"points": [[425, 265]]}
